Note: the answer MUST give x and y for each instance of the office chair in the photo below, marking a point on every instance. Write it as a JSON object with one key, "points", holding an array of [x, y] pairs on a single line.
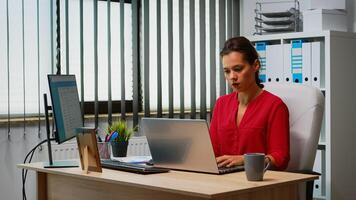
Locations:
{"points": [[306, 108]]}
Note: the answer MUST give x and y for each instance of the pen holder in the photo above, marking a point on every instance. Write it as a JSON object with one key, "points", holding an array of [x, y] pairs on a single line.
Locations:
{"points": [[104, 150]]}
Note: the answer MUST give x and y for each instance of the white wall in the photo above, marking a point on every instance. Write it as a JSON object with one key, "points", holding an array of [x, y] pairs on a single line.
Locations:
{"points": [[12, 152], [351, 17], [248, 22]]}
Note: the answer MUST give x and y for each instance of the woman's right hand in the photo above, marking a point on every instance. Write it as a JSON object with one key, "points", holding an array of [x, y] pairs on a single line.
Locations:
{"points": [[230, 160]]}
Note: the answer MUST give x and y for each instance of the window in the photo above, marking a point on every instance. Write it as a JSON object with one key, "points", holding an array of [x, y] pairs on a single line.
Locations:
{"points": [[207, 40], [31, 52], [32, 43], [23, 76], [88, 37]]}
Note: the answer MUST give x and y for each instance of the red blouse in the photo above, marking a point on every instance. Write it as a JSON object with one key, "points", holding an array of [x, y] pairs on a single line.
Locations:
{"points": [[264, 128]]}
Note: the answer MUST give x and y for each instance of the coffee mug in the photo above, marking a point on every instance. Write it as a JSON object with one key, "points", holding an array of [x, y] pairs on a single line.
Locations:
{"points": [[255, 166]]}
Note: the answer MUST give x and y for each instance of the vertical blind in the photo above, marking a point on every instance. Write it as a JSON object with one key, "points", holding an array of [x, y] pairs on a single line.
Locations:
{"points": [[161, 55], [101, 50], [182, 71], [26, 56]]}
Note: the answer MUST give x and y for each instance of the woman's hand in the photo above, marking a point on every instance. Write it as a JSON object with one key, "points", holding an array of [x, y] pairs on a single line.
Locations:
{"points": [[230, 160]]}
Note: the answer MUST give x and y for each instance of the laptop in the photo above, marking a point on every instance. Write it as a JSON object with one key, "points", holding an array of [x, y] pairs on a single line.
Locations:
{"points": [[182, 144]]}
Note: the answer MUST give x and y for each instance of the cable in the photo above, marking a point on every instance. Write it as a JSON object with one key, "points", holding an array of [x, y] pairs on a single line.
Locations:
{"points": [[58, 39], [24, 176], [33, 152], [24, 171]]}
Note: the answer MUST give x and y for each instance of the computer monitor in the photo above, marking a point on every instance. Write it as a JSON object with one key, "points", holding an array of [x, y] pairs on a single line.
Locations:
{"points": [[65, 105], [66, 111]]}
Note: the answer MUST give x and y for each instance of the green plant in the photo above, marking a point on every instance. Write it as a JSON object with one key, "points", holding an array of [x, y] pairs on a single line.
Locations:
{"points": [[119, 132]]}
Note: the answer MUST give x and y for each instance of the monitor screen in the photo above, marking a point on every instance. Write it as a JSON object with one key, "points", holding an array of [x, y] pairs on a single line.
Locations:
{"points": [[65, 106]]}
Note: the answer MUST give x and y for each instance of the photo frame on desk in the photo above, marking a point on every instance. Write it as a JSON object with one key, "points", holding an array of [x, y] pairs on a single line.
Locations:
{"points": [[88, 149]]}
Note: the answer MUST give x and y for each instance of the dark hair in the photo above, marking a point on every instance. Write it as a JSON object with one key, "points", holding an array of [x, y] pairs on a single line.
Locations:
{"points": [[243, 46]]}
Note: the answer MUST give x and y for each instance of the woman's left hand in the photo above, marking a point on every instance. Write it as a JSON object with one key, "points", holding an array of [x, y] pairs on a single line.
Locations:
{"points": [[230, 160]]}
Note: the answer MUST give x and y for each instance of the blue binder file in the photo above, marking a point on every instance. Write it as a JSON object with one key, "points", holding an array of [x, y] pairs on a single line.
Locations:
{"points": [[261, 49], [296, 61]]}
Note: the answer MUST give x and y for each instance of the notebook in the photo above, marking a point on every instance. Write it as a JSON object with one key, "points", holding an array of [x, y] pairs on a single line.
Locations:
{"points": [[182, 144]]}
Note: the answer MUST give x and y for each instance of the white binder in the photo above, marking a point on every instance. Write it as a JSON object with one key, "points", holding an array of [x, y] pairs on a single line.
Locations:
{"points": [[287, 72], [274, 63], [316, 61], [317, 191], [307, 62]]}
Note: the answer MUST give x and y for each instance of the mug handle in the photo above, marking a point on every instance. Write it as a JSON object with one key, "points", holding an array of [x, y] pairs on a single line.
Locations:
{"points": [[266, 167]]}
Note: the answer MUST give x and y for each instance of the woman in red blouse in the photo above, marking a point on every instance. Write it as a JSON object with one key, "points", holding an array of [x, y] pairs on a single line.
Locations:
{"points": [[250, 119]]}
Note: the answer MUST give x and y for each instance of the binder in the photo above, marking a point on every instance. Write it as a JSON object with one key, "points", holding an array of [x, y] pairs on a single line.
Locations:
{"points": [[261, 50], [306, 63], [297, 61], [318, 168], [316, 63], [287, 72], [274, 63]]}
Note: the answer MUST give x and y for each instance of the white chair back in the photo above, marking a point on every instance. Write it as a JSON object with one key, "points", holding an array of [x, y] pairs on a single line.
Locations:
{"points": [[306, 109]]}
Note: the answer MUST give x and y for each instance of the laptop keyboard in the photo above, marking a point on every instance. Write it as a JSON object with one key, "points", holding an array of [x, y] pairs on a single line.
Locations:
{"points": [[131, 167], [224, 170]]}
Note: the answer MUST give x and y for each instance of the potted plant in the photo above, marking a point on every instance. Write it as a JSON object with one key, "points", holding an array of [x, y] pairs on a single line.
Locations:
{"points": [[118, 134]]}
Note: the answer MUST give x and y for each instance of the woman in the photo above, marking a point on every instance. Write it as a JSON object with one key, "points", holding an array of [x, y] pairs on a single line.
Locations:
{"points": [[250, 119]]}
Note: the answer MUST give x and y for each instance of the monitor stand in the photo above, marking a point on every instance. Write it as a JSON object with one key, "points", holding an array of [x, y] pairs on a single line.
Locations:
{"points": [[51, 163]]}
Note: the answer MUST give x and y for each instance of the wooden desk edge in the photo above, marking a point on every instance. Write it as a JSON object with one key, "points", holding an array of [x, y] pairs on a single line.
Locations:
{"points": [[38, 168]]}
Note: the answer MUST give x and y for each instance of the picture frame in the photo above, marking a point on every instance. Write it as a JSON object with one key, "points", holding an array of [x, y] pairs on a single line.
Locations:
{"points": [[88, 149]]}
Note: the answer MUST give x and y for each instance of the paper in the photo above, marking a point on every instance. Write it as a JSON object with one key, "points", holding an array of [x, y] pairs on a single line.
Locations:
{"points": [[133, 159]]}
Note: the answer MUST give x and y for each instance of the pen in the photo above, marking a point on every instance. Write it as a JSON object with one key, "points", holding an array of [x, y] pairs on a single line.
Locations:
{"points": [[113, 136], [109, 136]]}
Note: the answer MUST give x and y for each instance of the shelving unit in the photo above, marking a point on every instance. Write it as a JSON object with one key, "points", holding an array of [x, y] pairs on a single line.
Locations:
{"points": [[338, 135]]}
